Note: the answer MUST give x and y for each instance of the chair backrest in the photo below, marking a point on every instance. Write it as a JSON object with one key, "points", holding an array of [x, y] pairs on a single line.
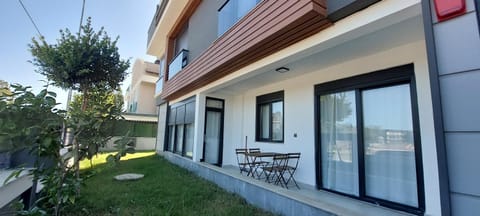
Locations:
{"points": [[241, 155], [293, 159], [280, 160], [254, 150]]}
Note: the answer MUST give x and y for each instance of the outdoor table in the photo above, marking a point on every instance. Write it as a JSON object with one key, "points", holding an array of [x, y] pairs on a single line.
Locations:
{"points": [[252, 161]]}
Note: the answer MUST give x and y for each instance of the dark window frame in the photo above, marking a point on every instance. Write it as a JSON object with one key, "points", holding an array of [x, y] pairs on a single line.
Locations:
{"points": [[378, 79], [477, 3], [222, 124], [269, 99], [176, 122]]}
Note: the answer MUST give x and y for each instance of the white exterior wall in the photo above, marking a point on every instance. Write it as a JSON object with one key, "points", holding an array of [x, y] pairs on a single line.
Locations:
{"points": [[299, 109], [386, 35], [162, 120]]}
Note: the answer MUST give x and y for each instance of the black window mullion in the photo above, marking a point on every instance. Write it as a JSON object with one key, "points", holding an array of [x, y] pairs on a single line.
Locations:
{"points": [[270, 122], [174, 143], [417, 145], [183, 140], [360, 144]]}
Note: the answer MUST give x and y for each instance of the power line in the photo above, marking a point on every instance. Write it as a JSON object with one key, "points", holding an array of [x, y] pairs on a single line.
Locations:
{"points": [[81, 17], [69, 96], [31, 19]]}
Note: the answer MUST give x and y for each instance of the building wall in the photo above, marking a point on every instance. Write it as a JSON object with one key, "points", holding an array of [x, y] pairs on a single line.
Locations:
{"points": [[145, 99], [457, 43], [380, 50], [202, 28], [142, 87]]}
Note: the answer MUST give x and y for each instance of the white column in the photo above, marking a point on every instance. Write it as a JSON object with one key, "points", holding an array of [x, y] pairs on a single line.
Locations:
{"points": [[162, 118], [199, 127]]}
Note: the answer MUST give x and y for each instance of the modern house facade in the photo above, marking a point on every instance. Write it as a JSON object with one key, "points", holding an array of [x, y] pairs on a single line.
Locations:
{"points": [[377, 96], [140, 93]]}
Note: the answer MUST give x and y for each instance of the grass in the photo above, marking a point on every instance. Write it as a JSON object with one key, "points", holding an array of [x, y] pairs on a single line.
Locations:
{"points": [[166, 189]]}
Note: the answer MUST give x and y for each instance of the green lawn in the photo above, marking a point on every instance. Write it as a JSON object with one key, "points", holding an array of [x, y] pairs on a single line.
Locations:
{"points": [[165, 190]]}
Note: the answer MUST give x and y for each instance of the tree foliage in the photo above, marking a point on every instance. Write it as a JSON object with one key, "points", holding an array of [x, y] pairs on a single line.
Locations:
{"points": [[87, 61], [82, 61], [96, 122], [30, 121]]}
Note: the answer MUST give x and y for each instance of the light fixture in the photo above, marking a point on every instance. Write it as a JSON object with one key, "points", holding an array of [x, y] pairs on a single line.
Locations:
{"points": [[282, 69]]}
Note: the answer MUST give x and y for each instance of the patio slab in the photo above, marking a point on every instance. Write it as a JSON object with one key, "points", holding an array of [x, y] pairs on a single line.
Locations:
{"points": [[304, 201]]}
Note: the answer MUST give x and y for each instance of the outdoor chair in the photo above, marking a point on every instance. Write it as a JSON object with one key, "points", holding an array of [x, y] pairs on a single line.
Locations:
{"points": [[242, 160], [274, 171], [256, 163], [254, 150], [291, 167]]}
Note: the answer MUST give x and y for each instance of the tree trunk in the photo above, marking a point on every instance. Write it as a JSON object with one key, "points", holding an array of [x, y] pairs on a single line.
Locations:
{"points": [[84, 99], [76, 144]]}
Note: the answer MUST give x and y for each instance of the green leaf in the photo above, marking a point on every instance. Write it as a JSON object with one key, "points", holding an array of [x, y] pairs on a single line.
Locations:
{"points": [[14, 174]]}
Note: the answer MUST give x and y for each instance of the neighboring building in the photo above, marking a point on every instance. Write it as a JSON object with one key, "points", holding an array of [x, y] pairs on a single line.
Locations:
{"points": [[378, 96], [139, 95]]}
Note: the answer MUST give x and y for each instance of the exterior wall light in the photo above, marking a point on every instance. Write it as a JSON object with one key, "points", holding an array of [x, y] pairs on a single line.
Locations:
{"points": [[282, 69]]}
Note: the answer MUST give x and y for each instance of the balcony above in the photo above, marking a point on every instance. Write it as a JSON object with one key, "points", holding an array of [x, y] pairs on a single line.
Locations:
{"points": [[178, 63], [159, 86], [268, 28]]}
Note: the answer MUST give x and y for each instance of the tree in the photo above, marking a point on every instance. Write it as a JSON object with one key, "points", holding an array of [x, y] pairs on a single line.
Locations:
{"points": [[85, 62], [31, 122], [81, 62], [104, 109]]}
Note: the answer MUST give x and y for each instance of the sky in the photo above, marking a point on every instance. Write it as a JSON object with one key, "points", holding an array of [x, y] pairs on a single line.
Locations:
{"points": [[128, 19]]}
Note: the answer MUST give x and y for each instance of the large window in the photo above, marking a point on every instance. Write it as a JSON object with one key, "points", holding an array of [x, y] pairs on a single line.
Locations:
{"points": [[368, 139], [269, 126], [181, 128], [232, 11]]}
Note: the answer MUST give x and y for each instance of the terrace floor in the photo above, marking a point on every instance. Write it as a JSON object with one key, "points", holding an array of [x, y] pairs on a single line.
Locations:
{"points": [[305, 201]]}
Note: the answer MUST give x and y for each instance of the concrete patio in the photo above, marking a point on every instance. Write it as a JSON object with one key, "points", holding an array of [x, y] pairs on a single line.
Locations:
{"points": [[292, 201]]}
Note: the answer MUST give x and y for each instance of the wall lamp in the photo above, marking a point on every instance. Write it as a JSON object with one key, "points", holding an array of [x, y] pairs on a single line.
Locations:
{"points": [[282, 69]]}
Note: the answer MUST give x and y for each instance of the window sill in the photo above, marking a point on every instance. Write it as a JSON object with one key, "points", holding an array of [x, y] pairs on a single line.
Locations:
{"points": [[269, 142]]}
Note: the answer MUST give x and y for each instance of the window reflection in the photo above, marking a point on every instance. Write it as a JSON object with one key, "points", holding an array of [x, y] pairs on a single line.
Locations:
{"points": [[390, 171]]}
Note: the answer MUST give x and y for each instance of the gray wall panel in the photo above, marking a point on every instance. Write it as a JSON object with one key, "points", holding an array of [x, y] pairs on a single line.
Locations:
{"points": [[463, 153], [463, 205], [202, 28], [460, 101], [458, 44]]}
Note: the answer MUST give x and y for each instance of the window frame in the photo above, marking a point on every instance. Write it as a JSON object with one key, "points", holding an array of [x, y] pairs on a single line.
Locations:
{"points": [[222, 6], [174, 121], [269, 99], [378, 79]]}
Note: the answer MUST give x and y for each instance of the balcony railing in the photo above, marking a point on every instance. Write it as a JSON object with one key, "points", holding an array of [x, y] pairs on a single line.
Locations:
{"points": [[159, 85], [156, 19], [178, 63]]}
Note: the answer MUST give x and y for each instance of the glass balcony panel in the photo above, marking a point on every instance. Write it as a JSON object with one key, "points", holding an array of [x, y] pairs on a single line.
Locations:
{"points": [[159, 86], [178, 63], [233, 11]]}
